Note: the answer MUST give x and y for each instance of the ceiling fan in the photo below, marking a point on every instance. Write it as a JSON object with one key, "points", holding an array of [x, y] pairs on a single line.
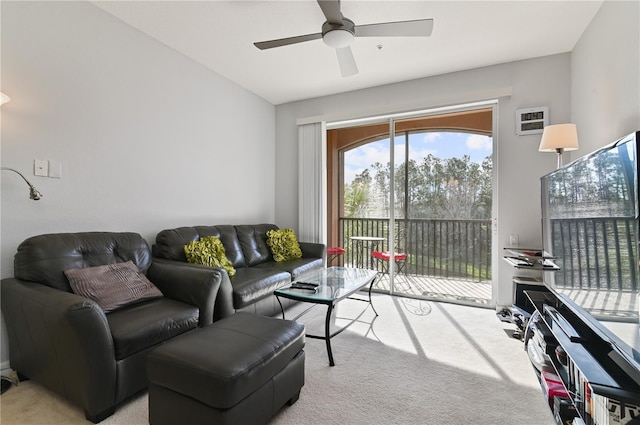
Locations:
{"points": [[338, 32]]}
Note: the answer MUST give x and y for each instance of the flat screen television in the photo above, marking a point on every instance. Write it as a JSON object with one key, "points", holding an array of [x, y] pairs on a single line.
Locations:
{"points": [[590, 212]]}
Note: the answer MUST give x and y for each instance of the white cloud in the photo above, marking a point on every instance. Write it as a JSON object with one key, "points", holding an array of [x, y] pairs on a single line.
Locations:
{"points": [[368, 154], [363, 157], [431, 136], [479, 142], [419, 154]]}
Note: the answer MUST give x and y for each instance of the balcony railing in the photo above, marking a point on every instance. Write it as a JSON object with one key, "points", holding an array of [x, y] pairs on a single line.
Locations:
{"points": [[596, 253], [458, 249]]}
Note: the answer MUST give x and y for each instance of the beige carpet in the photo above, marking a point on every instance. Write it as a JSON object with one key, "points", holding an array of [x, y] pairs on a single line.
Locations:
{"points": [[418, 362]]}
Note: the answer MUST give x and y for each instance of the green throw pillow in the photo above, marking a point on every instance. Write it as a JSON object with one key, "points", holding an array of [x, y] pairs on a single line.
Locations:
{"points": [[210, 252], [284, 244]]}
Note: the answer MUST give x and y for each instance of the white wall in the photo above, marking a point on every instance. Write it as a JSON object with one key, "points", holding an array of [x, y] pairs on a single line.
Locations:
{"points": [[148, 139], [605, 76], [536, 82]]}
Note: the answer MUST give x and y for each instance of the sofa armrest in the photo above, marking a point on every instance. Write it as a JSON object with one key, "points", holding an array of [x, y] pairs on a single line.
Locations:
{"points": [[206, 287], [312, 249], [62, 340]]}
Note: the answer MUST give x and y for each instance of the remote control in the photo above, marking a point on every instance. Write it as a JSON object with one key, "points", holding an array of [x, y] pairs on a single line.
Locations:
{"points": [[304, 285]]}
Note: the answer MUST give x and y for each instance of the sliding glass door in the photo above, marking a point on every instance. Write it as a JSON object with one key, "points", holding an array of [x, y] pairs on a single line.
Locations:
{"points": [[418, 207]]}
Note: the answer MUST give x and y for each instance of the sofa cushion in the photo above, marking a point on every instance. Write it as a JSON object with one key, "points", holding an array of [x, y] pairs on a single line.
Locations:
{"points": [[251, 284], [44, 258], [112, 286], [208, 251], [296, 267], [253, 240], [170, 242], [283, 244], [229, 238], [140, 326]]}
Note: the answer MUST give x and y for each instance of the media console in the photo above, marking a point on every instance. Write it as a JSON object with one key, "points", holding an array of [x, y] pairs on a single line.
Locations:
{"points": [[600, 383]]}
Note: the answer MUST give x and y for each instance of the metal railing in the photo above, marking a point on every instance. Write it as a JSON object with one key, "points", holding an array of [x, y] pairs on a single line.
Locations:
{"points": [[596, 253], [440, 248]]}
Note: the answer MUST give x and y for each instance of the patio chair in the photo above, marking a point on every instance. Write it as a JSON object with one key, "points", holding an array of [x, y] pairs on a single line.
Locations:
{"points": [[382, 259], [333, 253]]}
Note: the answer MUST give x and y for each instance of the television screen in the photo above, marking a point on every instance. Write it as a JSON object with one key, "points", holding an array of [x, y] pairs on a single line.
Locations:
{"points": [[590, 225]]}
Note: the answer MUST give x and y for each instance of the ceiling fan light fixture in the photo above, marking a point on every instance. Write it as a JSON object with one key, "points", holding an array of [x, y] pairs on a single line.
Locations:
{"points": [[339, 32], [338, 38]]}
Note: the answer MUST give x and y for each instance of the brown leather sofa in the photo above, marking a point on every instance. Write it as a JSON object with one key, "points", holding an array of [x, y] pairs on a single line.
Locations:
{"points": [[67, 343], [257, 274]]}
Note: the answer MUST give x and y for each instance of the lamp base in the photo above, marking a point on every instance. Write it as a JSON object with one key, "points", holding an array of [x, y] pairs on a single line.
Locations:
{"points": [[559, 151]]}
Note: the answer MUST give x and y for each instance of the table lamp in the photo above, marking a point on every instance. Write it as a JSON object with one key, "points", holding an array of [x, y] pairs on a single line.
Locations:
{"points": [[559, 138]]}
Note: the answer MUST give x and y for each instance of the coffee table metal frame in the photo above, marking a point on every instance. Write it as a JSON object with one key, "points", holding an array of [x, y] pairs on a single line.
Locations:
{"points": [[334, 285]]}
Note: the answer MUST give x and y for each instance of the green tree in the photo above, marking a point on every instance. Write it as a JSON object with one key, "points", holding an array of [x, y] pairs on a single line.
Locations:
{"points": [[436, 188], [356, 195]]}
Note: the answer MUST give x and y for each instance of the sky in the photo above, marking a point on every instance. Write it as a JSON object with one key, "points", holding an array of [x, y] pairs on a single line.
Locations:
{"points": [[440, 144]]}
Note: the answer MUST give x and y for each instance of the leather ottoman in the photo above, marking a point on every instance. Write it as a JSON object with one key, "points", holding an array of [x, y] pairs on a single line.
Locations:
{"points": [[239, 370]]}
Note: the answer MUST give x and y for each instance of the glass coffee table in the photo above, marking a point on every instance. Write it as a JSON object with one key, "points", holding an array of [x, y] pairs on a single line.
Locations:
{"points": [[329, 286]]}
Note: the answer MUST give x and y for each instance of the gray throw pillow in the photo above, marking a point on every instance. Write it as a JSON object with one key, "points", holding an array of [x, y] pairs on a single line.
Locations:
{"points": [[113, 285]]}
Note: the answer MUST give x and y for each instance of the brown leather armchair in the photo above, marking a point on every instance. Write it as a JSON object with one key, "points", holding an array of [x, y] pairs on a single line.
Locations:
{"points": [[69, 344]]}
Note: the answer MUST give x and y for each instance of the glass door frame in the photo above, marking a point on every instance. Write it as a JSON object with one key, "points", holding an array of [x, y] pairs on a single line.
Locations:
{"points": [[391, 120]]}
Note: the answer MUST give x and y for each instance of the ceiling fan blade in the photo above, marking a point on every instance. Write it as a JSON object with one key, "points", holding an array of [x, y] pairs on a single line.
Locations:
{"points": [[331, 10], [346, 61], [262, 45], [417, 28]]}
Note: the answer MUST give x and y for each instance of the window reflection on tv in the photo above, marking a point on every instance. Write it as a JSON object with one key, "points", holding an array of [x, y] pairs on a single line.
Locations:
{"points": [[590, 224]]}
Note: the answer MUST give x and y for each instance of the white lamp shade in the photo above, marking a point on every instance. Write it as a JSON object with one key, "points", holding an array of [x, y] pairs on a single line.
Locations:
{"points": [[559, 136], [4, 98]]}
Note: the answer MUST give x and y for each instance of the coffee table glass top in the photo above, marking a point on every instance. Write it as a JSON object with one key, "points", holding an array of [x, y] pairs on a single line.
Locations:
{"points": [[334, 283]]}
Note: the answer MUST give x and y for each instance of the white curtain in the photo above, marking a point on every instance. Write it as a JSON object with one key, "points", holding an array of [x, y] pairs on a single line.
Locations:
{"points": [[312, 190]]}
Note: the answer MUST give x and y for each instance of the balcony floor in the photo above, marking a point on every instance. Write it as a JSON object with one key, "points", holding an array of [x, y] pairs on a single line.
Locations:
{"points": [[459, 291]]}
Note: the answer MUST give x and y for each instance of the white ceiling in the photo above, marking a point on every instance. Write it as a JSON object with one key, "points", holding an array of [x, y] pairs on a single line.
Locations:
{"points": [[466, 35]]}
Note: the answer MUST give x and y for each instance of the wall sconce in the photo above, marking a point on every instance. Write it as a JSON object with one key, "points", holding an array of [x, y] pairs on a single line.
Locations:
{"points": [[33, 192], [559, 138], [4, 98]]}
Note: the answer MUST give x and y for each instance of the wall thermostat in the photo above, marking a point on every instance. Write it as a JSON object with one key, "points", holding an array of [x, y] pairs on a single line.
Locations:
{"points": [[532, 120]]}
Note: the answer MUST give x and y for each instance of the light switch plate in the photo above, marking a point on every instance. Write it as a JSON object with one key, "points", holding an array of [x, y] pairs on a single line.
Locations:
{"points": [[40, 167], [55, 169]]}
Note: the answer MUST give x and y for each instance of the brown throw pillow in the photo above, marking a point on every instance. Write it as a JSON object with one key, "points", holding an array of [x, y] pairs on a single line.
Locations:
{"points": [[113, 285]]}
